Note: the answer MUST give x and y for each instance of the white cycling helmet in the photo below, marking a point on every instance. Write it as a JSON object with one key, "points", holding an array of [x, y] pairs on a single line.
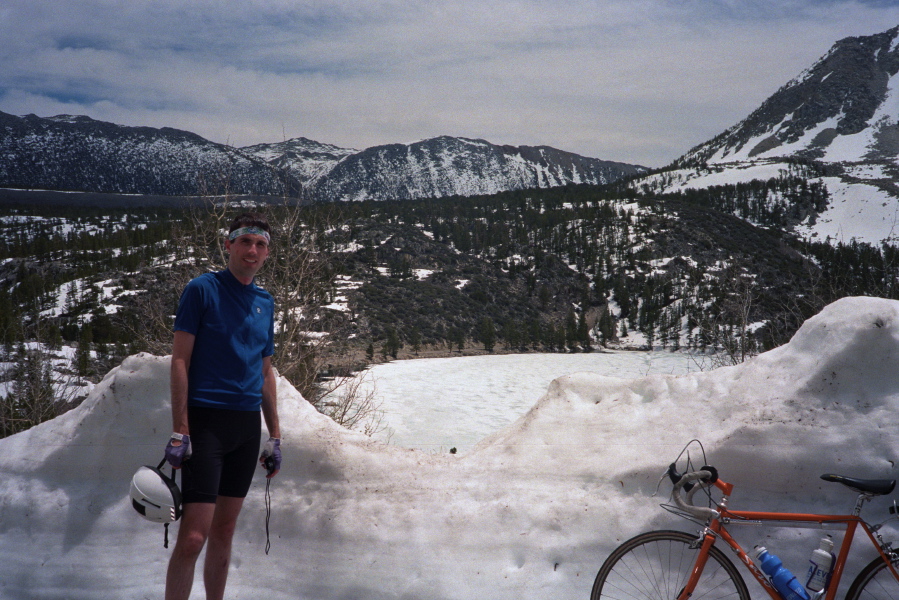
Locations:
{"points": [[156, 496]]}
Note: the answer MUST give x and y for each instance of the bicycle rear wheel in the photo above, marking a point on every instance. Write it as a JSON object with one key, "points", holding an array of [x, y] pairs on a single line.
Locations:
{"points": [[875, 582], [656, 566]]}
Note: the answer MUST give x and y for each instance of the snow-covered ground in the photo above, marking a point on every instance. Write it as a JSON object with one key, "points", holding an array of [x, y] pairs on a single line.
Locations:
{"points": [[436, 404], [856, 210], [529, 513]]}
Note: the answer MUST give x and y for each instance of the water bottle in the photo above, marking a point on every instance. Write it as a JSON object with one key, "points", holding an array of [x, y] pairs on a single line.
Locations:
{"points": [[784, 582], [822, 562]]}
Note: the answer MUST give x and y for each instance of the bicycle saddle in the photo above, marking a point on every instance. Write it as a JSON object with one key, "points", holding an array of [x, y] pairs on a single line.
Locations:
{"points": [[877, 487]]}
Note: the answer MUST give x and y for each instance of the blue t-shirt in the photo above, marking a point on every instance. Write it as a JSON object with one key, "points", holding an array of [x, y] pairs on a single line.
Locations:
{"points": [[234, 325]]}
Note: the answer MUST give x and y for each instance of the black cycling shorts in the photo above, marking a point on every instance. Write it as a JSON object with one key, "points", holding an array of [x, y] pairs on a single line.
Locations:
{"points": [[225, 450]]}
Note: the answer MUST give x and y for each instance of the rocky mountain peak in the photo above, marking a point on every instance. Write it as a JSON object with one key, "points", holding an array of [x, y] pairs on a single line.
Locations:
{"points": [[455, 166], [841, 109]]}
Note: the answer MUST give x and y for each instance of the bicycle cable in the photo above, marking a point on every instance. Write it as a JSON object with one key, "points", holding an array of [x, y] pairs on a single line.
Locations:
{"points": [[689, 467]]}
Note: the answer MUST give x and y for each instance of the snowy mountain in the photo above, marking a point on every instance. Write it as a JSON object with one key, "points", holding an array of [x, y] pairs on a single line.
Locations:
{"points": [[836, 124], [77, 153], [433, 168], [305, 159], [530, 513], [844, 108]]}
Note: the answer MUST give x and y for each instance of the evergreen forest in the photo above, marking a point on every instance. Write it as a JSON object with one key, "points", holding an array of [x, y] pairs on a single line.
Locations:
{"points": [[572, 269]]}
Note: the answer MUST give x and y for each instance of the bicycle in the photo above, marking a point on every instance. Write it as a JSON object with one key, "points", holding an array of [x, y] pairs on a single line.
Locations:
{"points": [[673, 565]]}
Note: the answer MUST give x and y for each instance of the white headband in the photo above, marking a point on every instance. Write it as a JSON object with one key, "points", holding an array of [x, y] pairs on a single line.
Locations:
{"points": [[249, 230]]}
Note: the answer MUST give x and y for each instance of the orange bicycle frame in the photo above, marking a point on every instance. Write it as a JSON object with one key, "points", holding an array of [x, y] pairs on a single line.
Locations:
{"points": [[716, 528]]}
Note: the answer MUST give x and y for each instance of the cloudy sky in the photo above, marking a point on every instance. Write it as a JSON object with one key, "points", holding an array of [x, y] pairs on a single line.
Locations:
{"points": [[637, 81]]}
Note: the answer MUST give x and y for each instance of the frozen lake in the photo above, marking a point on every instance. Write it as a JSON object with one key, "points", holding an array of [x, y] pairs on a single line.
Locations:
{"points": [[439, 403]]}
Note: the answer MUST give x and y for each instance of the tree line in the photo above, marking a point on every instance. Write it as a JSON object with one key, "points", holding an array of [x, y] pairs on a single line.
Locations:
{"points": [[559, 270]]}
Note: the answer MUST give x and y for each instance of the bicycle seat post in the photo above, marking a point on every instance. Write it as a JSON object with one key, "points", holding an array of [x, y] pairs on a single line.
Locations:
{"points": [[860, 501]]}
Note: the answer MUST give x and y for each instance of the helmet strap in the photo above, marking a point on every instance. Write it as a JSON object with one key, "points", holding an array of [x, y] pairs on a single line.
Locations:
{"points": [[165, 526]]}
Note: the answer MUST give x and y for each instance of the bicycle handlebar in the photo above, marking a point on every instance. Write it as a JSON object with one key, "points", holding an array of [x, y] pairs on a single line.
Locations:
{"points": [[706, 477]]}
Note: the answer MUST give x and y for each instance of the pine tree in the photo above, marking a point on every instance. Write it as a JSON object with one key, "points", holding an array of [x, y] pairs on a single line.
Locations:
{"points": [[415, 340], [488, 334], [83, 363], [459, 339], [392, 345]]}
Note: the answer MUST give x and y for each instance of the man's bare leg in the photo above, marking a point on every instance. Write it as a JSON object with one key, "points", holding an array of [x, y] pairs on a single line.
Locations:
{"points": [[218, 552], [192, 533]]}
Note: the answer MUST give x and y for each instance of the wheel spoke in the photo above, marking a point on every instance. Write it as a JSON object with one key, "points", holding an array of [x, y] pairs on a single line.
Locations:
{"points": [[875, 582], [657, 566]]}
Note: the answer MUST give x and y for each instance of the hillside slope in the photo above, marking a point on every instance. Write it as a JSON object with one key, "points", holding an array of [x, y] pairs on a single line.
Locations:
{"points": [[841, 109], [836, 125]]}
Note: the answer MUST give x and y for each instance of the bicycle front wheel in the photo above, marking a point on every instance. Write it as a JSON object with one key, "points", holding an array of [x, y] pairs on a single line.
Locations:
{"points": [[875, 582], [657, 565]]}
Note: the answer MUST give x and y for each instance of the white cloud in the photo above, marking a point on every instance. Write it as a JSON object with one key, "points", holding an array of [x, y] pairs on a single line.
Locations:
{"points": [[632, 81]]}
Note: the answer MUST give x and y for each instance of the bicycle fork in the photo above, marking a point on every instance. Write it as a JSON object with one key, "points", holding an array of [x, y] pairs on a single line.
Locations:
{"points": [[707, 538]]}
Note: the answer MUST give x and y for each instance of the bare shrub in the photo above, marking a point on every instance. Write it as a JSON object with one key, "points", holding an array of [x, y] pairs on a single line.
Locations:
{"points": [[350, 405], [38, 388]]}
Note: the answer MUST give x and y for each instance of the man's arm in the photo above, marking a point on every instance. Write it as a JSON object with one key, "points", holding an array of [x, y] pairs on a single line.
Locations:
{"points": [[182, 349], [272, 447], [270, 398]]}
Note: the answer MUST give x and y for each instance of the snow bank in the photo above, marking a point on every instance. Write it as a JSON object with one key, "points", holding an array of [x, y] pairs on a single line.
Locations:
{"points": [[530, 512]]}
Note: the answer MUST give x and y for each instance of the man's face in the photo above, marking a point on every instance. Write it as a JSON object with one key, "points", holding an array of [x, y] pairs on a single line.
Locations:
{"points": [[247, 254]]}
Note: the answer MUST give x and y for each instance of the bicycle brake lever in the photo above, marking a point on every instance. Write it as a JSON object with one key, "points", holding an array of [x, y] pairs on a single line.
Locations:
{"points": [[675, 477]]}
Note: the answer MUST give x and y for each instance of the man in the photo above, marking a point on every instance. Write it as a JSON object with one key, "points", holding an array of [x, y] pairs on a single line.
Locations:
{"points": [[221, 379]]}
